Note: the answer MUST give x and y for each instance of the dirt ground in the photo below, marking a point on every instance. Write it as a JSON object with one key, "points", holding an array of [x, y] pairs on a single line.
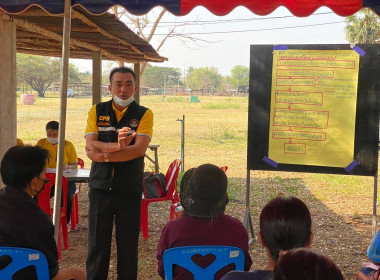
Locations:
{"points": [[341, 226]]}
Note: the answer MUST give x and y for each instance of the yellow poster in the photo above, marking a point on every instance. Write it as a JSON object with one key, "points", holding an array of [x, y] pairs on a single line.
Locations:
{"points": [[313, 107]]}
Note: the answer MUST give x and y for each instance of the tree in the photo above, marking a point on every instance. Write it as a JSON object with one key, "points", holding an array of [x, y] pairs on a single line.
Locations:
{"points": [[73, 74], [37, 71], [362, 27], [84, 77], [239, 76], [205, 79], [157, 77], [40, 72]]}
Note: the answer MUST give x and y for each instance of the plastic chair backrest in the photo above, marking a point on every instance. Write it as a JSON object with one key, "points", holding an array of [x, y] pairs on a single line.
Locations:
{"points": [[81, 163], [182, 256], [44, 196], [23, 257], [171, 177]]}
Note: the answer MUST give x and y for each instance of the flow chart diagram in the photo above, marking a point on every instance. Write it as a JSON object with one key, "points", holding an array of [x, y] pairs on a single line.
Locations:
{"points": [[313, 107]]}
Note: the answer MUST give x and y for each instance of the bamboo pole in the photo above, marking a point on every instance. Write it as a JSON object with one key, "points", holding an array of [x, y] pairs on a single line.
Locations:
{"points": [[62, 116]]}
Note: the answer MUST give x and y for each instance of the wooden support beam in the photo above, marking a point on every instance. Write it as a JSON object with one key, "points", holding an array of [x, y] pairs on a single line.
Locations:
{"points": [[74, 42], [136, 67], [96, 78], [8, 109], [84, 19], [77, 15]]}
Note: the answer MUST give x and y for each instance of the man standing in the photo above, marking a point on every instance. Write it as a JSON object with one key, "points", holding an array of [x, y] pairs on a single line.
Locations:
{"points": [[117, 135]]}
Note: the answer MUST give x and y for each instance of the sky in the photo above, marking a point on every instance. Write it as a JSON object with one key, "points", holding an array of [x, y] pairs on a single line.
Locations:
{"points": [[224, 41]]}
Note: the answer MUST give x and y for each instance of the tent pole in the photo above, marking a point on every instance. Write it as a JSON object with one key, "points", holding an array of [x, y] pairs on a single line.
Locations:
{"points": [[62, 115]]}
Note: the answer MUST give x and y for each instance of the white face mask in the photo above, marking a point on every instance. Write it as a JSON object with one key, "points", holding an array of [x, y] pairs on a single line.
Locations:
{"points": [[52, 141], [123, 103]]}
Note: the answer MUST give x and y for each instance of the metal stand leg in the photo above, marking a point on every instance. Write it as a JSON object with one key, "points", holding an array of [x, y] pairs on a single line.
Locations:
{"points": [[182, 141], [156, 166], [247, 215], [374, 205]]}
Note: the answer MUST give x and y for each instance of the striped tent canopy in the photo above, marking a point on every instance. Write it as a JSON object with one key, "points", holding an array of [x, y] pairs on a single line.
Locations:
{"points": [[300, 8]]}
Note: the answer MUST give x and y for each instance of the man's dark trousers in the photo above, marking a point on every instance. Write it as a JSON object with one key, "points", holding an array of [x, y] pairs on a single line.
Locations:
{"points": [[105, 206]]}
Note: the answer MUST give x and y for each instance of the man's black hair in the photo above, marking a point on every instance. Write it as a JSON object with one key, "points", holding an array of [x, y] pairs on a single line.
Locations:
{"points": [[53, 125], [122, 70], [20, 164]]}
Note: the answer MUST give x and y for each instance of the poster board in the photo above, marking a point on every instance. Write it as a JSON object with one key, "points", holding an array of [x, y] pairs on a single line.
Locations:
{"points": [[314, 108]]}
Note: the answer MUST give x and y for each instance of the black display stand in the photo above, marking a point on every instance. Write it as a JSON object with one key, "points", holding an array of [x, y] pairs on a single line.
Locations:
{"points": [[366, 125]]}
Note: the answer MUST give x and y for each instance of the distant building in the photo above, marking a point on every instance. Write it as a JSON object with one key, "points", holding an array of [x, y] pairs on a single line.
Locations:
{"points": [[242, 89], [144, 90]]}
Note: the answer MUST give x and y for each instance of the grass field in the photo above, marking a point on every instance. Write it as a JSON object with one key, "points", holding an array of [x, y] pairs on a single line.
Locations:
{"points": [[215, 128], [216, 132]]}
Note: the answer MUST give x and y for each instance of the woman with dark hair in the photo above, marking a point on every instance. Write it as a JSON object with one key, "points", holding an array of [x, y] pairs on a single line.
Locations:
{"points": [[301, 263], [22, 222], [285, 223], [203, 195]]}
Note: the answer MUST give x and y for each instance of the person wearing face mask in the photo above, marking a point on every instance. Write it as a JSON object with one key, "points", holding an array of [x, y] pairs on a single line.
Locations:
{"points": [[22, 222], [70, 159], [117, 135]]}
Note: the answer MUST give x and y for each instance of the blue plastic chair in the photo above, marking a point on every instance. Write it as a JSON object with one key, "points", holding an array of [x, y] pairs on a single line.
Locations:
{"points": [[22, 257], [224, 255]]}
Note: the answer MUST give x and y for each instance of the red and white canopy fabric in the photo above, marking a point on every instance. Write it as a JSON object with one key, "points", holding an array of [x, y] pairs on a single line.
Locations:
{"points": [[300, 8]]}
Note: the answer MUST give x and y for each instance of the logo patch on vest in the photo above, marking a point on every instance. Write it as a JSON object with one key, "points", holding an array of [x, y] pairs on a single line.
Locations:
{"points": [[134, 123], [104, 118], [104, 121]]}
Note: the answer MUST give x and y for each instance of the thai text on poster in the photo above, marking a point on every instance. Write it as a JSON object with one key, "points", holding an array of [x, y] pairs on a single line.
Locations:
{"points": [[313, 107]]}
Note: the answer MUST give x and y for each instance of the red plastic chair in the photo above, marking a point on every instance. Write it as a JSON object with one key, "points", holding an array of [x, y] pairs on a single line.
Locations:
{"points": [[74, 217], [44, 204], [172, 194], [81, 163]]}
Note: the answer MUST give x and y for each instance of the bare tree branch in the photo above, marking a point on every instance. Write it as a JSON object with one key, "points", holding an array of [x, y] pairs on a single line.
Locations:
{"points": [[141, 24], [166, 37], [156, 22]]}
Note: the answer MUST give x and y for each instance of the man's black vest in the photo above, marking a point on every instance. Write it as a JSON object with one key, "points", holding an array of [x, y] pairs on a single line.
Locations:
{"points": [[124, 176]]}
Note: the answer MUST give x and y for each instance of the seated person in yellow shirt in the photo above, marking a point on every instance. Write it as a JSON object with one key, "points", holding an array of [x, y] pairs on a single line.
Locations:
{"points": [[70, 158]]}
